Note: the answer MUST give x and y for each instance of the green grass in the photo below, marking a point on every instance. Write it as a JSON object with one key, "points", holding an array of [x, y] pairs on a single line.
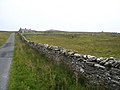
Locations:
{"points": [[65, 32], [100, 46], [33, 71], [3, 37]]}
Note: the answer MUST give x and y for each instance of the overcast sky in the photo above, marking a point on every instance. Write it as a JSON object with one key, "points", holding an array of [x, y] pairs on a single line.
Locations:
{"points": [[68, 15]]}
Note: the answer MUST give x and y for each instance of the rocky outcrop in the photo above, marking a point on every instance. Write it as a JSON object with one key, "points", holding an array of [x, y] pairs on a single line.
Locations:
{"points": [[100, 73]]}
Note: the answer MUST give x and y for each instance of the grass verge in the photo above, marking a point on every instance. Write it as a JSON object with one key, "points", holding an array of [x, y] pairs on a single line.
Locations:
{"points": [[3, 37], [33, 71]]}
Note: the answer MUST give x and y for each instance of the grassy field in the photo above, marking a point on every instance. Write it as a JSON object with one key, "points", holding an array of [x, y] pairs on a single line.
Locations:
{"points": [[97, 45], [3, 37], [33, 71], [64, 32]]}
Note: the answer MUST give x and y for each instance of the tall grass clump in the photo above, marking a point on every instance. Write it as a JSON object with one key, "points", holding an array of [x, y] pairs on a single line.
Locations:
{"points": [[31, 70]]}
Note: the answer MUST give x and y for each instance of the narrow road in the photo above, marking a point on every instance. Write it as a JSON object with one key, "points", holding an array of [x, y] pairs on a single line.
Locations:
{"points": [[6, 54]]}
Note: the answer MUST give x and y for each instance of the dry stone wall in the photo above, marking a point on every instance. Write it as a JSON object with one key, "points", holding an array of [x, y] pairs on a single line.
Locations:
{"points": [[99, 72]]}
